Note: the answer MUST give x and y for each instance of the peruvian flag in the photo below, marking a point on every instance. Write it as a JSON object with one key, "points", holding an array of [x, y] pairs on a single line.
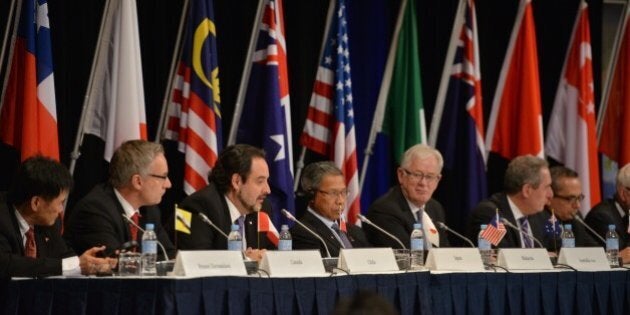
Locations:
{"points": [[515, 126], [571, 133], [265, 226]]}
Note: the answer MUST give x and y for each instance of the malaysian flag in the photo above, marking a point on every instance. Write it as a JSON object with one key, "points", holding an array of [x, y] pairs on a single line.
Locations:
{"points": [[329, 128], [495, 231], [194, 116], [28, 120]]}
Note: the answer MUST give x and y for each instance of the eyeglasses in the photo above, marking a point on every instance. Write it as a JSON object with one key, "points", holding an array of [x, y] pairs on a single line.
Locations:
{"points": [[162, 177], [417, 177], [571, 199], [335, 193]]}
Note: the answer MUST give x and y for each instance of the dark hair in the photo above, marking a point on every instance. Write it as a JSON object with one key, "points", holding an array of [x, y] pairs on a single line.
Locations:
{"points": [[235, 159], [558, 172], [314, 173], [39, 176]]}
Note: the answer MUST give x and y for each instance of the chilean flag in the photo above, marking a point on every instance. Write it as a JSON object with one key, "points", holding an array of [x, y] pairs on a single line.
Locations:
{"points": [[571, 131], [28, 120]]}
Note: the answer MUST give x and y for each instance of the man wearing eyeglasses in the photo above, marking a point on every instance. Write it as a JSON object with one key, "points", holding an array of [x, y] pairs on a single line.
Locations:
{"points": [[564, 207], [326, 191], [138, 178], [410, 202], [615, 211]]}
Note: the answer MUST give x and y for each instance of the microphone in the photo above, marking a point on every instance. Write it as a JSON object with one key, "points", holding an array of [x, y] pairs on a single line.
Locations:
{"points": [[292, 218], [130, 221], [445, 227], [515, 228], [579, 219], [366, 220], [207, 221]]}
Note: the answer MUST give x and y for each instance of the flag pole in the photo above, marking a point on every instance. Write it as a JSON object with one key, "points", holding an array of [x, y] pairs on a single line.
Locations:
{"points": [[612, 64], [379, 112], [16, 20], [177, 53], [105, 20], [247, 69], [300, 163]]}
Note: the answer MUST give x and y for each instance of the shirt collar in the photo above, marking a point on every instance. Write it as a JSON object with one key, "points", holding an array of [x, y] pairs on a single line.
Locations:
{"points": [[620, 209], [326, 221], [234, 213], [23, 225], [516, 212], [127, 207]]}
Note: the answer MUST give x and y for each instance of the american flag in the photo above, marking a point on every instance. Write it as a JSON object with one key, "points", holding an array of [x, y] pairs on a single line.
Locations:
{"points": [[329, 128], [495, 231], [194, 117]]}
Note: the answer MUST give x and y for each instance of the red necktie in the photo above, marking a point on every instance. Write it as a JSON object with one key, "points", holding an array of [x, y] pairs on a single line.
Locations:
{"points": [[133, 229], [30, 249]]}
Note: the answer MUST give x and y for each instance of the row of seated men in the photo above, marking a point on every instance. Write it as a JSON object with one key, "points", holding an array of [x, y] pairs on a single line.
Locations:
{"points": [[30, 244]]}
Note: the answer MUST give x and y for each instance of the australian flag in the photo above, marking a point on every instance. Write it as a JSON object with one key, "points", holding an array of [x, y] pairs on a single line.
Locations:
{"points": [[266, 116]]}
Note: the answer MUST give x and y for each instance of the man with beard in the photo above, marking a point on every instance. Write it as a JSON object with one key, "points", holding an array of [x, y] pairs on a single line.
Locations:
{"points": [[236, 194]]}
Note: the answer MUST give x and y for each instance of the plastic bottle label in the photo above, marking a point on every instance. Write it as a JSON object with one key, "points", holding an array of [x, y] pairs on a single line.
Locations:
{"points": [[235, 245], [568, 242], [285, 245], [417, 244], [149, 247], [612, 244]]}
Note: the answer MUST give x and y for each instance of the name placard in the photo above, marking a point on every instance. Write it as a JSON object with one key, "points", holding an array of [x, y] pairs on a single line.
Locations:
{"points": [[524, 259], [454, 259], [203, 263], [584, 258], [296, 263], [365, 260]]}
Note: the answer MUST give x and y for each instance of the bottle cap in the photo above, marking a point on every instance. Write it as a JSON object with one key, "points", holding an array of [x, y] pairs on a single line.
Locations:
{"points": [[284, 227], [568, 227], [483, 226], [417, 226], [611, 227], [235, 227], [150, 226]]}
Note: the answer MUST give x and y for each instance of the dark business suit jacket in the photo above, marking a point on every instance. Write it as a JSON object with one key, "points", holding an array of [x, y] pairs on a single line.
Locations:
{"points": [[485, 211], [51, 248], [302, 239], [97, 219], [605, 213], [391, 212], [211, 203]]}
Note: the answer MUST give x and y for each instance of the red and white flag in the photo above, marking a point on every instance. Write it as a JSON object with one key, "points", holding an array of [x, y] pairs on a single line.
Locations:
{"points": [[571, 131], [515, 126], [116, 98]]}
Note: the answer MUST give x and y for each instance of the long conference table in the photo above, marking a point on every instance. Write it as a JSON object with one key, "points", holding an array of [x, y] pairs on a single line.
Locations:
{"points": [[562, 292]]}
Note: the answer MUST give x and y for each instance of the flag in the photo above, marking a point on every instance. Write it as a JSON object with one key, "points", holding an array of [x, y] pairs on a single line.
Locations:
{"points": [[457, 128], [495, 231], [571, 130], [515, 126], [194, 115], [329, 128], [28, 120], [552, 227], [266, 114], [183, 220], [266, 226], [116, 98]]}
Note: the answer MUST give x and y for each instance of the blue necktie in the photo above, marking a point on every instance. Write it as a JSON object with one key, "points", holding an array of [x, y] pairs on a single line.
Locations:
{"points": [[527, 240], [342, 235]]}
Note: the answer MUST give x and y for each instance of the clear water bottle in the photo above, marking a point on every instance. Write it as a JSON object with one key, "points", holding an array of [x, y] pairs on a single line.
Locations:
{"points": [[416, 248], [484, 246], [149, 250], [285, 242], [612, 246], [568, 238], [235, 240]]}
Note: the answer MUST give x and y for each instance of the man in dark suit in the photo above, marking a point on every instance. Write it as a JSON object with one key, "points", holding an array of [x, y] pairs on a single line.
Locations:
{"points": [[236, 195], [565, 206], [615, 211], [410, 202], [325, 186], [527, 189], [30, 244], [138, 177]]}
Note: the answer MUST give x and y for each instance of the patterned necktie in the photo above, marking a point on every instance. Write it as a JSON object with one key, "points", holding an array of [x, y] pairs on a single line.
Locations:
{"points": [[30, 248], [133, 229], [342, 235], [527, 240], [241, 226]]}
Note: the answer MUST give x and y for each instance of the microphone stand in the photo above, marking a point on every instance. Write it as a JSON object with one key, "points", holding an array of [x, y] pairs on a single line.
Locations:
{"points": [[143, 231], [514, 227], [366, 220], [579, 219], [292, 218], [445, 227]]}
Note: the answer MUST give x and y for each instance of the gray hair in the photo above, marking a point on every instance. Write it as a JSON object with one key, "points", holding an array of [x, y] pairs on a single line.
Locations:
{"points": [[131, 158], [314, 173], [524, 169], [421, 151], [623, 176]]}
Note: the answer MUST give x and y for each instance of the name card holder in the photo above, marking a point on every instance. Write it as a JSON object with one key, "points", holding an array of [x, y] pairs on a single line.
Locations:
{"points": [[367, 260], [454, 259], [524, 259], [203, 263], [296, 263], [584, 258]]}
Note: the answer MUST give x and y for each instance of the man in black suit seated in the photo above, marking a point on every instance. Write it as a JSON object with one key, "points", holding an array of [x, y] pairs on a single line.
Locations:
{"points": [[138, 177], [410, 202], [236, 195], [615, 211], [565, 206], [527, 189], [325, 186], [30, 243]]}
